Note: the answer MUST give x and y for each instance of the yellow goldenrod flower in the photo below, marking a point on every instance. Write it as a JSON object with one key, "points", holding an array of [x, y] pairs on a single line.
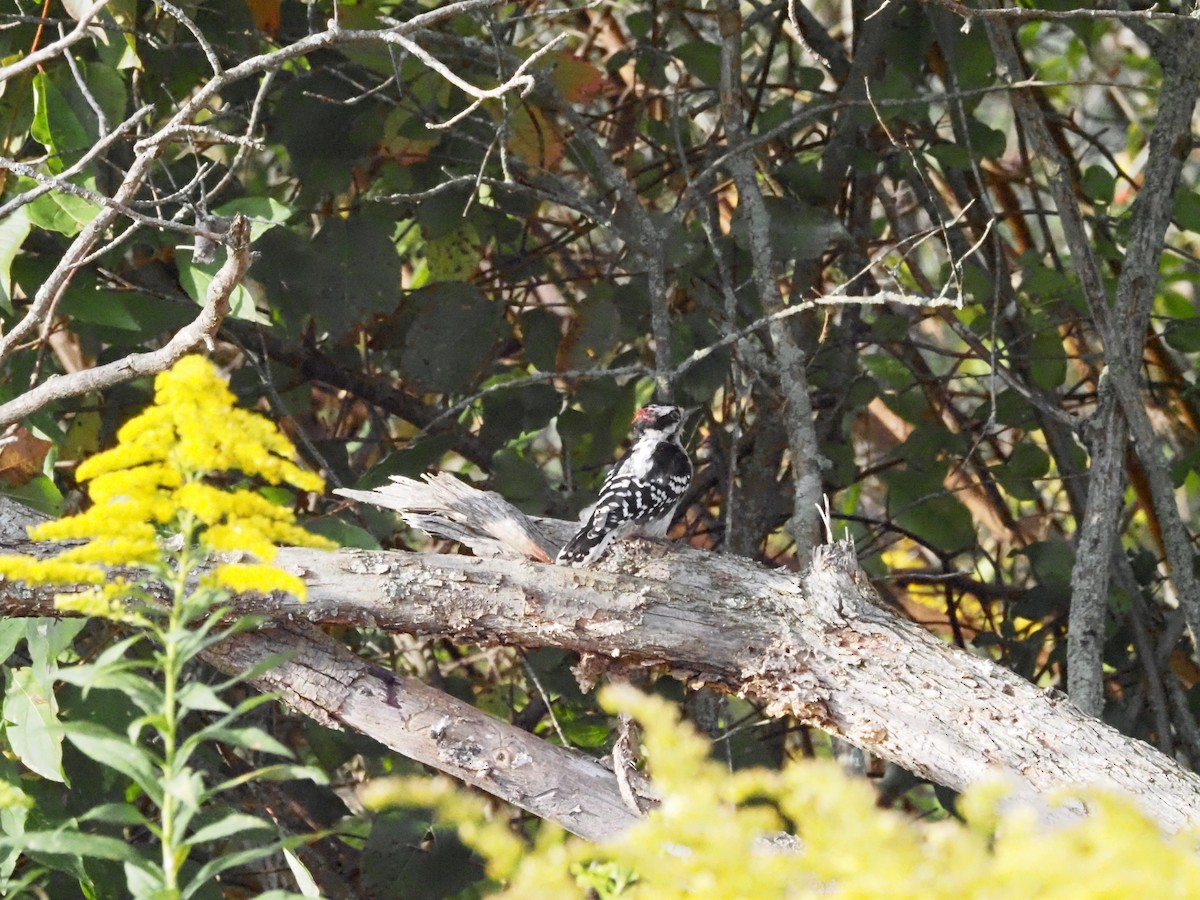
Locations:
{"points": [[102, 602], [32, 570], [152, 484], [241, 578], [808, 830], [114, 551]]}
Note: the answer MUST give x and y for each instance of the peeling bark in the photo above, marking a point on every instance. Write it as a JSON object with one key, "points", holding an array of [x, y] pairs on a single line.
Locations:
{"points": [[328, 683], [819, 647]]}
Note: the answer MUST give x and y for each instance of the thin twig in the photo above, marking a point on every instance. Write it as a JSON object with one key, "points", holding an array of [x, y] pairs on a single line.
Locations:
{"points": [[95, 150], [67, 187], [50, 51], [209, 53], [136, 365], [519, 79]]}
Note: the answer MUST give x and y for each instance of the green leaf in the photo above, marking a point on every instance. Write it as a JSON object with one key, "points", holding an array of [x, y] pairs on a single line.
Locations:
{"points": [[225, 861], [345, 534], [111, 750], [986, 142], [108, 88], [69, 841], [187, 787], [702, 59], [304, 880], [122, 51], [64, 213], [114, 654], [277, 772], [196, 695], [231, 824], [12, 632], [593, 332], [455, 255], [266, 664], [250, 737], [1048, 359], [55, 125], [116, 813], [40, 492], [1019, 473], [120, 316], [950, 156], [1052, 562], [196, 278], [452, 336], [347, 272], [404, 857], [1187, 210], [541, 330], [142, 691], [919, 502], [1099, 184], [31, 710], [264, 213], [146, 884], [1183, 334], [517, 415], [521, 480], [191, 642], [13, 231]]}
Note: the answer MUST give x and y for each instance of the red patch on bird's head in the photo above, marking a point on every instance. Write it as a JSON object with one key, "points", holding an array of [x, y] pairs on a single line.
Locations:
{"points": [[645, 414]]}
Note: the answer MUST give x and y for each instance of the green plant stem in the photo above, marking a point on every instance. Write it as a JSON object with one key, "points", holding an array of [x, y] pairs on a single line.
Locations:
{"points": [[172, 849]]}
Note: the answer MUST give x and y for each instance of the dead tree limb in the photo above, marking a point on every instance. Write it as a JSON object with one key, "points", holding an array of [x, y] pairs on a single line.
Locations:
{"points": [[820, 648], [329, 684], [817, 647]]}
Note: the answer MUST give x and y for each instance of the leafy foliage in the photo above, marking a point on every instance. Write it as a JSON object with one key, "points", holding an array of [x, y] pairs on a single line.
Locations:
{"points": [[495, 297], [808, 830], [155, 508]]}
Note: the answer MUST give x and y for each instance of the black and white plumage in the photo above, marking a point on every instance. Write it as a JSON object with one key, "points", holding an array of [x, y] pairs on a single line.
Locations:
{"points": [[641, 493]]}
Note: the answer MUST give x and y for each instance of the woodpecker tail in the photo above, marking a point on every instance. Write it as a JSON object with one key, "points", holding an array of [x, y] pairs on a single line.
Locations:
{"points": [[587, 545]]}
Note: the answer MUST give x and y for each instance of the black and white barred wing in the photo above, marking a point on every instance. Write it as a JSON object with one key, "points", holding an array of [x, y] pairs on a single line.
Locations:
{"points": [[635, 499]]}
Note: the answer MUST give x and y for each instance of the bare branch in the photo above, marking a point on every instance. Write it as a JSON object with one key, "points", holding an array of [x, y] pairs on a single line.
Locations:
{"points": [[136, 365], [482, 520], [60, 184], [790, 359], [1027, 14], [209, 53], [328, 683], [81, 247], [45, 186], [519, 78], [50, 51], [820, 647]]}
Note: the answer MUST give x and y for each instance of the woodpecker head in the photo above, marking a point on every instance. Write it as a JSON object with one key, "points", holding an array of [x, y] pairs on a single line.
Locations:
{"points": [[658, 417]]}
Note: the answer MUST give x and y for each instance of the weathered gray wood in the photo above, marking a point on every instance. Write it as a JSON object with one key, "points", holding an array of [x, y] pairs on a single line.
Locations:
{"points": [[325, 681], [819, 648]]}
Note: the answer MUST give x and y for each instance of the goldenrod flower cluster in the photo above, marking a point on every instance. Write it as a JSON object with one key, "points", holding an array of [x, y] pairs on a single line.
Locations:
{"points": [[716, 835], [152, 485]]}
